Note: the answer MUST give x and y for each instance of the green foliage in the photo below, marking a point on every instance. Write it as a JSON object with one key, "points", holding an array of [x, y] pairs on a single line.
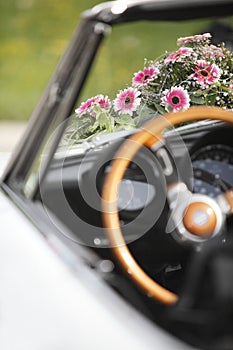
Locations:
{"points": [[33, 35], [197, 73]]}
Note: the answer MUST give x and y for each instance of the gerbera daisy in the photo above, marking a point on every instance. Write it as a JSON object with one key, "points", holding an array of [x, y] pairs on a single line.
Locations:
{"points": [[201, 37], [127, 101], [213, 52], [143, 77], [231, 87], [87, 106], [194, 38], [178, 55], [177, 98], [206, 73], [103, 102]]}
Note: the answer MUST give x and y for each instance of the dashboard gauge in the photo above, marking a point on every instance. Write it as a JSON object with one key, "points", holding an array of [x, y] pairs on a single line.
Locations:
{"points": [[212, 169], [134, 195]]}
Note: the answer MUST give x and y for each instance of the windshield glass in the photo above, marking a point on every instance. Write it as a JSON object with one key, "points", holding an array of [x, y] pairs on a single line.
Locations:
{"points": [[146, 69], [142, 70]]}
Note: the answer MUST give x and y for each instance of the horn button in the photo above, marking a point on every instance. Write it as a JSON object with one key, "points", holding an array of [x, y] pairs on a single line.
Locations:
{"points": [[194, 217], [200, 219]]}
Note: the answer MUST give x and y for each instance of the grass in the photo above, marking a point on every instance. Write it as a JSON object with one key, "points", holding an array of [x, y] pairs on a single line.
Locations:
{"points": [[125, 50], [34, 34]]}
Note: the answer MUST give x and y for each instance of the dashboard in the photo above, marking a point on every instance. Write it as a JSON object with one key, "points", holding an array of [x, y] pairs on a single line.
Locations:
{"points": [[211, 169], [206, 149], [72, 192]]}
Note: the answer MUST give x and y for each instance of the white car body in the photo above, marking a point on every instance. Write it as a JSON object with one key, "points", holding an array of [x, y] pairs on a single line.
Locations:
{"points": [[46, 305], [50, 298]]}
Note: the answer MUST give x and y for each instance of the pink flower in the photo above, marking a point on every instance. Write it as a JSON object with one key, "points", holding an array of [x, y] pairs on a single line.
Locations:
{"points": [[231, 86], [206, 73], [200, 37], [127, 101], [177, 98], [213, 51], [178, 55], [143, 77], [103, 102], [184, 40], [194, 38], [87, 106]]}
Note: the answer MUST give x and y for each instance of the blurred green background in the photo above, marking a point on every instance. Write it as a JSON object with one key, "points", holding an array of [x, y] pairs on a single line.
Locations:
{"points": [[34, 34]]}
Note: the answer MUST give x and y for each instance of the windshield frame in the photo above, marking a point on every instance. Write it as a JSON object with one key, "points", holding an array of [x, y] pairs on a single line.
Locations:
{"points": [[65, 86]]}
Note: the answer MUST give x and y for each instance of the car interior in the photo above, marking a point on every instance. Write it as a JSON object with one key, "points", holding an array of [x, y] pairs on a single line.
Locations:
{"points": [[116, 196], [199, 273], [196, 269]]}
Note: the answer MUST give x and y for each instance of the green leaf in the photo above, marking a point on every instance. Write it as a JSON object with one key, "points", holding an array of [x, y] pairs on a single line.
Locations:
{"points": [[198, 93], [211, 99], [125, 121], [159, 108], [145, 113], [197, 100], [105, 121]]}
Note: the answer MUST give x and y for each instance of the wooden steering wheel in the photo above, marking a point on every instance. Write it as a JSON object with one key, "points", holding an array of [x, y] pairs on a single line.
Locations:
{"points": [[149, 135]]}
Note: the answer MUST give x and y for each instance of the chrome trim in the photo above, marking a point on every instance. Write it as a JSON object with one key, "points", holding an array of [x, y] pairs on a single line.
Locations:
{"points": [[179, 198]]}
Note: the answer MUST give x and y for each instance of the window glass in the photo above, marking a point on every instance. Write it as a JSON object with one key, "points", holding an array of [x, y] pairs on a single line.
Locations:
{"points": [[126, 51], [129, 49]]}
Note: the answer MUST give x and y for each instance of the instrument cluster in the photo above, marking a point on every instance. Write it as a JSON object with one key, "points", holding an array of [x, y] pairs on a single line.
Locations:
{"points": [[213, 165]]}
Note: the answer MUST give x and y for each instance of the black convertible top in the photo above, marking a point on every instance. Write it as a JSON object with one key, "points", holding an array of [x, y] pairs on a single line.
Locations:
{"points": [[130, 10]]}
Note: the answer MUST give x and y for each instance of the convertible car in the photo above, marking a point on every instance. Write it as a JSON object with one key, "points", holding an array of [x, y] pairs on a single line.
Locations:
{"points": [[116, 210]]}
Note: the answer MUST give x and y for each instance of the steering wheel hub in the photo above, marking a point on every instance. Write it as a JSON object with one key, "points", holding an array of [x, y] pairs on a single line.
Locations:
{"points": [[195, 217], [200, 219]]}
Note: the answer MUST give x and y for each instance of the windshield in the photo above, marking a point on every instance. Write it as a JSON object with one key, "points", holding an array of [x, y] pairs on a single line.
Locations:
{"points": [[147, 69], [142, 70]]}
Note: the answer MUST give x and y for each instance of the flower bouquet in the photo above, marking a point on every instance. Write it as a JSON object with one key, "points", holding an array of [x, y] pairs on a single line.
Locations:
{"points": [[197, 73]]}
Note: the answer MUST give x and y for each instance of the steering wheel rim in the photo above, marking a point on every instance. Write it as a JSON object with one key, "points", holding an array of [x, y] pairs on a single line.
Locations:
{"points": [[149, 135]]}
